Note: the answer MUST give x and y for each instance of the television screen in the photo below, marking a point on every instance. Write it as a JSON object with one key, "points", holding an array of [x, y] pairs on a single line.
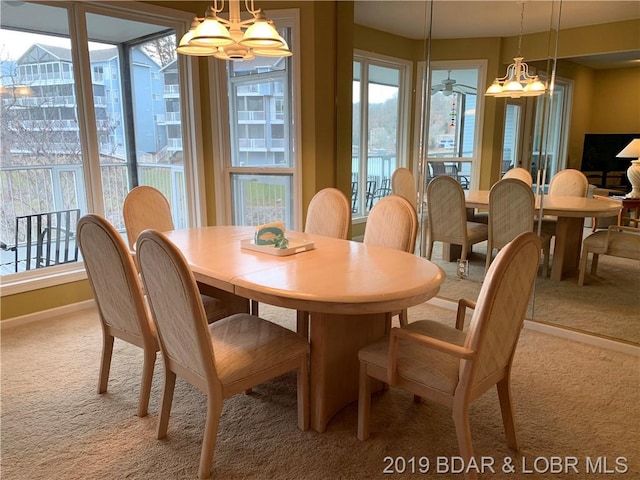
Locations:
{"points": [[600, 150]]}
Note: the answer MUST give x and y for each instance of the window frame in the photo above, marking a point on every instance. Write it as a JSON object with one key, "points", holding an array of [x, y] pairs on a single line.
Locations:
{"points": [[421, 137], [221, 128], [405, 68]]}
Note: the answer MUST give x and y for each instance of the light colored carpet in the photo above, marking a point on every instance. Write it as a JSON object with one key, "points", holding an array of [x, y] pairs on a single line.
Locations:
{"points": [[571, 400], [608, 304]]}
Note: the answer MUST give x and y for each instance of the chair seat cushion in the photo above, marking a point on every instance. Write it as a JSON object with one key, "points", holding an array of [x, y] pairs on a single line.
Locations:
{"points": [[419, 363], [621, 244], [477, 232], [245, 345]]}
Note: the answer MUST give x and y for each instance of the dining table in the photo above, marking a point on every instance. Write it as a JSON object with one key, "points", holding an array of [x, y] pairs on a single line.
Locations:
{"points": [[570, 213], [349, 289]]}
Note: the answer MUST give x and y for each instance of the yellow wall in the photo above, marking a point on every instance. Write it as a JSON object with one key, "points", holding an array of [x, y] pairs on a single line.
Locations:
{"points": [[327, 41]]}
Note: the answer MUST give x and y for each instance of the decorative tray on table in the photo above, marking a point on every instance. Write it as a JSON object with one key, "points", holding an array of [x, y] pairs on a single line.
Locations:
{"points": [[296, 245], [270, 238]]}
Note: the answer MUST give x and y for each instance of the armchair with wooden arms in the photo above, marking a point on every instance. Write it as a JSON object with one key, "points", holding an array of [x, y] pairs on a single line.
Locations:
{"points": [[617, 241], [452, 367]]}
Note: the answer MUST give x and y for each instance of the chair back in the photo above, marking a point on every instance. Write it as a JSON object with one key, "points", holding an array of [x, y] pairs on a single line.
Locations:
{"points": [[145, 207], [569, 183], [177, 309], [511, 211], [114, 280], [403, 184], [329, 214], [446, 211], [392, 223], [500, 310], [519, 173]]}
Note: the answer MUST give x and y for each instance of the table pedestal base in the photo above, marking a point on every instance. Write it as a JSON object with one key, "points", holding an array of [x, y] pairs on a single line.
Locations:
{"points": [[566, 251], [335, 341]]}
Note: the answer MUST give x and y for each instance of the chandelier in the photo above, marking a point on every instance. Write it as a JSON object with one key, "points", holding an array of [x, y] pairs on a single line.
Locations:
{"points": [[518, 82], [233, 39]]}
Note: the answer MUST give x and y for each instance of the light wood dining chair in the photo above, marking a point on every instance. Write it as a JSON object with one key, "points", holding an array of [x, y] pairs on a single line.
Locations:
{"points": [[447, 216], [403, 183], [329, 214], [511, 212], [221, 359], [392, 223], [147, 207], [519, 173], [617, 241], [567, 183], [452, 367], [118, 294]]}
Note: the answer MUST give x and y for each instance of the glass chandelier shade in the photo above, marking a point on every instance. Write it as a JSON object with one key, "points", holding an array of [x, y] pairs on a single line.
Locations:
{"points": [[233, 39]]}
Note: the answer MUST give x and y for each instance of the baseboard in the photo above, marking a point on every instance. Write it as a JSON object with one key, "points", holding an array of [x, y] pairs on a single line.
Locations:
{"points": [[563, 332], [46, 314]]}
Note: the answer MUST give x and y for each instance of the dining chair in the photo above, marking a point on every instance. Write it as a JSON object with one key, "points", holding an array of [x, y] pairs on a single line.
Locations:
{"points": [[447, 217], [617, 241], [511, 212], [452, 367], [568, 183], [392, 223], [329, 214], [118, 294], [403, 183], [147, 207], [519, 173], [221, 359]]}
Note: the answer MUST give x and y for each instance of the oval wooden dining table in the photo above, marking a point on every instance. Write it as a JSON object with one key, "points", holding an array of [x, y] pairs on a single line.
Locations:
{"points": [[571, 212], [348, 287]]}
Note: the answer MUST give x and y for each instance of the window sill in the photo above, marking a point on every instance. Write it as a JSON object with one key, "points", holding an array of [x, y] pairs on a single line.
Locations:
{"points": [[24, 282]]}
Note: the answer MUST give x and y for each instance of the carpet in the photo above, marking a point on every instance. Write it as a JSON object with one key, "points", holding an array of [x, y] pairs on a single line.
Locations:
{"points": [[574, 402], [607, 305]]}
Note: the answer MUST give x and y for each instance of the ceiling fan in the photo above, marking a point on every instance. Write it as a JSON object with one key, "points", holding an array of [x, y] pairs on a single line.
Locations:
{"points": [[449, 86]]}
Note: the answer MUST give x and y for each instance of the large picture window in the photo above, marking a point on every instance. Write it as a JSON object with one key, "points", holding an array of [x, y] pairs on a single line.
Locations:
{"points": [[259, 174], [381, 88], [83, 122]]}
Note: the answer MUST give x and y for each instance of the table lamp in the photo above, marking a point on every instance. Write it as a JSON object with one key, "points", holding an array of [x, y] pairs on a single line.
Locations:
{"points": [[633, 172]]}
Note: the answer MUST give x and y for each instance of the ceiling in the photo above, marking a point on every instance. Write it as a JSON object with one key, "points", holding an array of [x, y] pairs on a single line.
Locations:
{"points": [[496, 18]]}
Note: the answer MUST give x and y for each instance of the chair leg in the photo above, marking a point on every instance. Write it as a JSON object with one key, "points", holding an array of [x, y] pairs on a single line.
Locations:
{"points": [[303, 395], [463, 433], [583, 266], [364, 403], [214, 410], [429, 250], [504, 396], [404, 317], [302, 323], [147, 377], [594, 263], [167, 399], [105, 363], [489, 255], [254, 308]]}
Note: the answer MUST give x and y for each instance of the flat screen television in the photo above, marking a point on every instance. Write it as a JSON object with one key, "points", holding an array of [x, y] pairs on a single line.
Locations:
{"points": [[600, 150]]}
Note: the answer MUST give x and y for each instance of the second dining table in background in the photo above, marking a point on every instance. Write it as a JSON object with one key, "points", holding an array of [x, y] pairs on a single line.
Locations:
{"points": [[349, 289], [571, 212]]}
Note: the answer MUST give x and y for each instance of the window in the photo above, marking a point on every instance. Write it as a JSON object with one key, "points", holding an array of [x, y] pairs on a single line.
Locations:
{"points": [[381, 88], [57, 156], [453, 131], [259, 175]]}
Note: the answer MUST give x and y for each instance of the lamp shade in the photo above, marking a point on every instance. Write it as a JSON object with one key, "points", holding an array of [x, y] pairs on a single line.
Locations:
{"points": [[632, 150], [211, 33], [261, 34]]}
